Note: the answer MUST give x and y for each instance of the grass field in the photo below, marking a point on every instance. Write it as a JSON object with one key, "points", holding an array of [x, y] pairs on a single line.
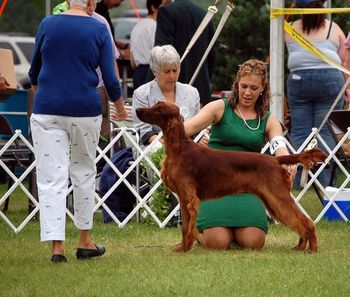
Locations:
{"points": [[140, 262]]}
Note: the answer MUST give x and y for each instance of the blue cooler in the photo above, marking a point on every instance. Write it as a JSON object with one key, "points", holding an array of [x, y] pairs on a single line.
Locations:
{"points": [[15, 110], [342, 200]]}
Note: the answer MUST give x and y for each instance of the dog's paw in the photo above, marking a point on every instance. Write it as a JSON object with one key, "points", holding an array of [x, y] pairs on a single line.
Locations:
{"points": [[312, 248], [179, 247], [310, 251], [297, 248], [182, 247], [301, 246]]}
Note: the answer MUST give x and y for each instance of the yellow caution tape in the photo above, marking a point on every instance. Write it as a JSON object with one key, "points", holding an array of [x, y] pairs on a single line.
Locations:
{"points": [[276, 12], [300, 39]]}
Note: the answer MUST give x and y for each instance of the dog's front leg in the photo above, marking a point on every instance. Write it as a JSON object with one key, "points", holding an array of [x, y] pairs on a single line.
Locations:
{"points": [[183, 245], [189, 203], [192, 207]]}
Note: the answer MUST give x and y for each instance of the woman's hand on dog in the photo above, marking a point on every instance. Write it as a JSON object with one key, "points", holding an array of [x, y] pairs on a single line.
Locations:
{"points": [[291, 171]]}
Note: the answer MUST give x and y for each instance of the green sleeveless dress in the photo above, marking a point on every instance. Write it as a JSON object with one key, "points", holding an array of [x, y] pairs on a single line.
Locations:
{"points": [[241, 210]]}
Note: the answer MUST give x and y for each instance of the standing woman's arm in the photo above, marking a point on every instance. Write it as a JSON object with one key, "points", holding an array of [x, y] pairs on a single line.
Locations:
{"points": [[346, 64], [36, 64]]}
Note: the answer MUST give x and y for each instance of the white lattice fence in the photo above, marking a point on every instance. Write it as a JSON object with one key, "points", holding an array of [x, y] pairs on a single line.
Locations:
{"points": [[142, 157], [17, 181]]}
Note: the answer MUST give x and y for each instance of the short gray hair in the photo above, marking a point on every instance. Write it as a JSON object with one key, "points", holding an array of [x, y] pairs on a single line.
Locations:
{"points": [[162, 56], [82, 3]]}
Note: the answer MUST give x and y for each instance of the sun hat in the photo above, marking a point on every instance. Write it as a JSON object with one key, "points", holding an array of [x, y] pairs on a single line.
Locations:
{"points": [[60, 8], [63, 7], [303, 3]]}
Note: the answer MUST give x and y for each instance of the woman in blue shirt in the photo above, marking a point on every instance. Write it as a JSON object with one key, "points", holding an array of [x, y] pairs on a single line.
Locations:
{"points": [[66, 119]]}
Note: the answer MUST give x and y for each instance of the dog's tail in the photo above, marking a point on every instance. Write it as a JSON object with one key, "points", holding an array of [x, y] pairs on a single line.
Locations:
{"points": [[308, 158]]}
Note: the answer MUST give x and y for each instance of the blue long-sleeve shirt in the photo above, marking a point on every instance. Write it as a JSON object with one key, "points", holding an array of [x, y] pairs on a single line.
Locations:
{"points": [[67, 51]]}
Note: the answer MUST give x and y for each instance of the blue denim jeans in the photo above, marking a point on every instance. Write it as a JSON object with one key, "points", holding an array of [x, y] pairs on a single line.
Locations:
{"points": [[311, 93]]}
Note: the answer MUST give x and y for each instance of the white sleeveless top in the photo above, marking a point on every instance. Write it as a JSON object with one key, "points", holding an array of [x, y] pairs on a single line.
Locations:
{"points": [[300, 58]]}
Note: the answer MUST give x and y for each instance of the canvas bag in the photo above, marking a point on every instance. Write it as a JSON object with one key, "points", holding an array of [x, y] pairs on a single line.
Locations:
{"points": [[7, 69]]}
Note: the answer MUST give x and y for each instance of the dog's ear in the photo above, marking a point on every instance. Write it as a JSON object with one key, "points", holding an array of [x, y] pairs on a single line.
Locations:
{"points": [[157, 103]]}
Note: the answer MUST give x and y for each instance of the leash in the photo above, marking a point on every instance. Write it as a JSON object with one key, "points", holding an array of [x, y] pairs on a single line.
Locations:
{"points": [[134, 8], [229, 7], [212, 10]]}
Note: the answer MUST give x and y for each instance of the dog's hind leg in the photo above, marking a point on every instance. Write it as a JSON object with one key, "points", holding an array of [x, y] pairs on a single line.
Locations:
{"points": [[310, 237], [283, 207]]}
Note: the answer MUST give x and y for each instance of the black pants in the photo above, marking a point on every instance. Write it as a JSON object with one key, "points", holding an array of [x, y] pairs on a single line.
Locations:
{"points": [[140, 75]]}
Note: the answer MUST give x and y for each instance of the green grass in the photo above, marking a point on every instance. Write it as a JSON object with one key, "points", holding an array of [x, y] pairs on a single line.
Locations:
{"points": [[140, 261]]}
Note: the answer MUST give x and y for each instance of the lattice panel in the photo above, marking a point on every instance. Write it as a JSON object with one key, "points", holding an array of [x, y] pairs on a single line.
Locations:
{"points": [[143, 205]]}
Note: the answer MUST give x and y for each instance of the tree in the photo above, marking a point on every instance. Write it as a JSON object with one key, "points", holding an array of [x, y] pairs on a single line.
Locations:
{"points": [[23, 16], [245, 36]]}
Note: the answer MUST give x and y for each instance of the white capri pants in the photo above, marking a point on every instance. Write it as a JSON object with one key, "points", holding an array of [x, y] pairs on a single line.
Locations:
{"points": [[65, 147]]}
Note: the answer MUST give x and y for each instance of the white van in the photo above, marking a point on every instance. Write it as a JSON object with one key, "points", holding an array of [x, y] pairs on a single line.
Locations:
{"points": [[22, 48]]}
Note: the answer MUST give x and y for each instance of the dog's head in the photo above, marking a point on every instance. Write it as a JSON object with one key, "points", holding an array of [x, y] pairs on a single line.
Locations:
{"points": [[159, 114]]}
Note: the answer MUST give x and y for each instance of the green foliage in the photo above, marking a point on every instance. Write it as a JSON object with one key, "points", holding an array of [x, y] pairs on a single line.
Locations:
{"points": [[21, 16], [244, 36], [342, 19], [157, 157], [24, 16], [163, 201]]}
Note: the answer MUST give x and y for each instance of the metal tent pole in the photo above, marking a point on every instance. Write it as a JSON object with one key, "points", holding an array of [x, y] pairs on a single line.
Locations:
{"points": [[277, 63], [47, 7]]}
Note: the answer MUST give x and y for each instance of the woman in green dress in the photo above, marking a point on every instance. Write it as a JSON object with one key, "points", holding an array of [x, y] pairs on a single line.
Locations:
{"points": [[240, 123]]}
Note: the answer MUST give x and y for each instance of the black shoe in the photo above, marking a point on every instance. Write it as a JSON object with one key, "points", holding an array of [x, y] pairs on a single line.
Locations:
{"points": [[89, 253], [56, 258]]}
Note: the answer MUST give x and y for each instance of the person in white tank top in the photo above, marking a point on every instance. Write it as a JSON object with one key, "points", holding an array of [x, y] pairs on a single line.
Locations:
{"points": [[142, 41], [347, 65], [311, 92]]}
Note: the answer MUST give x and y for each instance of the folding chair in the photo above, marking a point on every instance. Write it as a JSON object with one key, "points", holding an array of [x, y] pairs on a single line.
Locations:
{"points": [[14, 156], [338, 123]]}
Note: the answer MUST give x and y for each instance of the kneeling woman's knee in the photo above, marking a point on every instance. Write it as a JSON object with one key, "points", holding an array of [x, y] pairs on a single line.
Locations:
{"points": [[218, 244], [251, 239], [217, 238], [252, 243]]}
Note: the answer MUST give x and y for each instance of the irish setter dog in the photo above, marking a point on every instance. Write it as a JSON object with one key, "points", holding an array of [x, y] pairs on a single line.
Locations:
{"points": [[195, 172]]}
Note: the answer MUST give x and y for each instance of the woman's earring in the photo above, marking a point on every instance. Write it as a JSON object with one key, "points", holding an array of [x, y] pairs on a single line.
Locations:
{"points": [[260, 93], [90, 11]]}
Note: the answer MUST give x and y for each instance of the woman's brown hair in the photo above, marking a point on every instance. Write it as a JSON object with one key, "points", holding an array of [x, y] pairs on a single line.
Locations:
{"points": [[312, 22], [259, 68]]}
